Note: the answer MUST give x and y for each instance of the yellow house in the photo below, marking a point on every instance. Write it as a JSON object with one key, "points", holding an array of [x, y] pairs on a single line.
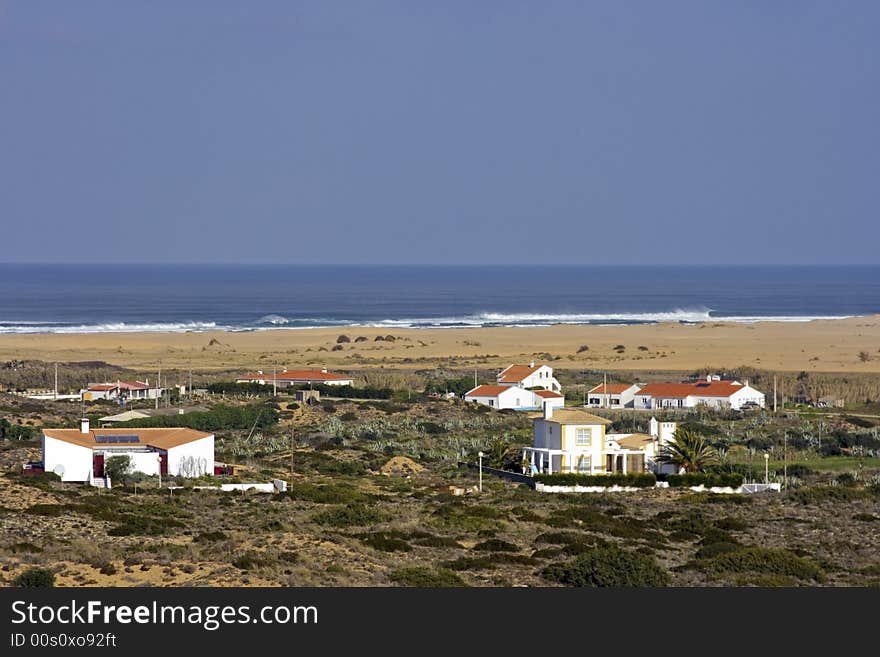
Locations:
{"points": [[573, 440]]}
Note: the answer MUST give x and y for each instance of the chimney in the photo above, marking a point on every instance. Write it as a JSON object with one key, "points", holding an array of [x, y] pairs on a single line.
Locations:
{"points": [[84, 425], [709, 378], [653, 428], [548, 410], [532, 364], [324, 370], [259, 371]]}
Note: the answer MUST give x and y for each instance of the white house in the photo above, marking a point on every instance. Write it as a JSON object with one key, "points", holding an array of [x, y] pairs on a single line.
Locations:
{"points": [[287, 377], [501, 397], [529, 376], [713, 394], [80, 454], [548, 398], [612, 395], [573, 440], [126, 390]]}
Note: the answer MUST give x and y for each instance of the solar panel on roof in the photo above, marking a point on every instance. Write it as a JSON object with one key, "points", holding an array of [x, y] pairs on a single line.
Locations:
{"points": [[108, 438]]}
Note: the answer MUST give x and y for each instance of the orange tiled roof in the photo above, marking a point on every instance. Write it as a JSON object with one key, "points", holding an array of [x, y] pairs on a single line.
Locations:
{"points": [[516, 373], [487, 391], [612, 388], [160, 438], [547, 394], [296, 375]]}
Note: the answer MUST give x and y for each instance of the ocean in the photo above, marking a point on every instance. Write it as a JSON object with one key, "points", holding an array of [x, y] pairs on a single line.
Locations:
{"points": [[127, 298]]}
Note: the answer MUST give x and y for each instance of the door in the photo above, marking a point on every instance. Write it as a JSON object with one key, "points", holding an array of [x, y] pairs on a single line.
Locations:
{"points": [[163, 464], [98, 465]]}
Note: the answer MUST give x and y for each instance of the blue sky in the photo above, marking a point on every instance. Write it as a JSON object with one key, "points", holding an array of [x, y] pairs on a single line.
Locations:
{"points": [[440, 132]]}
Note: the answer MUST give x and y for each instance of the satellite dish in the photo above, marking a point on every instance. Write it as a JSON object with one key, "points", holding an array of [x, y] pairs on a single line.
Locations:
{"points": [[59, 470]]}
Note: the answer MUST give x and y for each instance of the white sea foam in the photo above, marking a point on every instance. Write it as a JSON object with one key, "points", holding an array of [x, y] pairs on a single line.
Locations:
{"points": [[274, 321], [110, 327]]}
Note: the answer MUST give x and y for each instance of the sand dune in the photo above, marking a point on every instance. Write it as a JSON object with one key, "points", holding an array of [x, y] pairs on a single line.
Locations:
{"points": [[818, 346]]}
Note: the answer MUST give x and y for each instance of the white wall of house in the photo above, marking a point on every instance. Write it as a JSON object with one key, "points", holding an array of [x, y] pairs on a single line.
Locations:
{"points": [[553, 402], [540, 378], [198, 449], [746, 394], [75, 459], [144, 461], [514, 397], [552, 435], [613, 400]]}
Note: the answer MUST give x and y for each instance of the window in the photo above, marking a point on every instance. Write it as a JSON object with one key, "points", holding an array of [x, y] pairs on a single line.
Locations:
{"points": [[583, 437], [584, 464], [491, 402]]}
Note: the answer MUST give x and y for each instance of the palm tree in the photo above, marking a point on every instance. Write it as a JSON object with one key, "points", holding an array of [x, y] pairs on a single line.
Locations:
{"points": [[688, 450], [499, 453]]}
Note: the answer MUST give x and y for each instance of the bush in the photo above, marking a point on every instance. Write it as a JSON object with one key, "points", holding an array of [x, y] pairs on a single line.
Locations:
{"points": [[709, 480], [342, 339], [35, 578], [496, 545], [385, 542], [608, 566], [765, 560], [347, 392], [426, 577], [260, 416], [351, 515], [637, 480], [116, 467]]}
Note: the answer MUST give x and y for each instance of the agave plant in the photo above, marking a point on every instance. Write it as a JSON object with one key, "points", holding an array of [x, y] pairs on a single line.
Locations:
{"points": [[688, 450]]}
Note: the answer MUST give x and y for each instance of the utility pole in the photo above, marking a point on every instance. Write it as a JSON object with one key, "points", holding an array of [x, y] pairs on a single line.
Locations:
{"points": [[190, 389], [774, 393], [56, 381], [274, 379], [785, 459], [605, 387], [475, 377], [158, 385]]}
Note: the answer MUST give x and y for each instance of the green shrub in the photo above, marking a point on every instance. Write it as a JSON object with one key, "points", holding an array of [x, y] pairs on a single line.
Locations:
{"points": [[709, 480], [385, 542], [325, 494], [820, 494], [51, 510], [210, 537], [714, 549], [248, 561], [768, 561], [489, 561], [730, 523], [865, 517], [132, 525], [608, 565], [636, 480], [350, 515], [116, 467], [496, 545], [24, 547], [35, 578], [426, 577]]}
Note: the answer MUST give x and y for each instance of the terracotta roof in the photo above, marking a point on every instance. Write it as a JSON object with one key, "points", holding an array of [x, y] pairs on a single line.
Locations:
{"points": [[160, 438], [516, 373], [576, 416], [296, 375], [682, 390], [125, 385], [547, 394], [134, 385], [632, 440], [487, 391], [613, 388]]}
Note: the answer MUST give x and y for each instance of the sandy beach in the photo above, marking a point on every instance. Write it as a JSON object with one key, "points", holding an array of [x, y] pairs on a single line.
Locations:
{"points": [[815, 346]]}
